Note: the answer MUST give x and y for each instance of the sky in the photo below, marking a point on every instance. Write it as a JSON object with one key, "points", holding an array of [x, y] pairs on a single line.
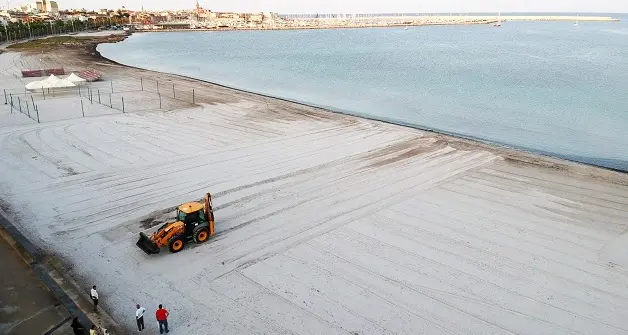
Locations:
{"points": [[357, 6]]}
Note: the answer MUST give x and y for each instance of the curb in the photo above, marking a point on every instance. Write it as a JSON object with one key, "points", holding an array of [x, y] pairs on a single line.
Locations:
{"points": [[79, 296], [64, 288]]}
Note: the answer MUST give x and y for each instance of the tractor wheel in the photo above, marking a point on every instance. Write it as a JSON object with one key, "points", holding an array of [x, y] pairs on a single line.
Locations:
{"points": [[176, 243], [201, 235]]}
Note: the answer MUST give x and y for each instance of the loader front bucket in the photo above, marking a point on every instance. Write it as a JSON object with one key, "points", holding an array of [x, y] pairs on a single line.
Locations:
{"points": [[147, 245]]}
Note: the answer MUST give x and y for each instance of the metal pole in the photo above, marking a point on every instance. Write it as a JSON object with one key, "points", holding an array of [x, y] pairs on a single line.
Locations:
{"points": [[159, 100], [173, 94], [33, 101], [91, 97], [79, 90], [99, 96], [111, 86], [193, 98], [43, 93], [11, 103], [5, 97], [28, 109], [142, 83], [19, 102], [157, 86], [82, 109], [110, 105], [122, 104], [37, 111]]}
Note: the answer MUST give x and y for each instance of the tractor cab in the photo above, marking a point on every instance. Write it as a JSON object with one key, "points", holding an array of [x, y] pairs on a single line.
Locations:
{"points": [[191, 214]]}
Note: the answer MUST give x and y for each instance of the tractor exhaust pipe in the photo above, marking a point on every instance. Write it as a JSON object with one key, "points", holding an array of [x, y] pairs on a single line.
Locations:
{"points": [[147, 245]]}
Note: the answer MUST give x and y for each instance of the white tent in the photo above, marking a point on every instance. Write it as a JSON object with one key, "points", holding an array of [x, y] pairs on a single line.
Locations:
{"points": [[57, 82], [35, 85], [76, 79], [52, 82], [60, 83]]}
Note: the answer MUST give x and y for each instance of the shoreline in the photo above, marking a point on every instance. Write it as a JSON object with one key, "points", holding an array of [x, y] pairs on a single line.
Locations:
{"points": [[390, 22], [99, 57], [321, 27]]}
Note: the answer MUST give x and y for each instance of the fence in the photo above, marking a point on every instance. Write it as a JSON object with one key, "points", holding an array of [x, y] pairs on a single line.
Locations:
{"points": [[123, 96], [101, 98], [168, 90], [164, 90], [23, 106], [57, 104]]}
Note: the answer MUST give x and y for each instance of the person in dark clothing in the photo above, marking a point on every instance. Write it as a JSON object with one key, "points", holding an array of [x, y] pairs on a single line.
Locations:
{"points": [[77, 327]]}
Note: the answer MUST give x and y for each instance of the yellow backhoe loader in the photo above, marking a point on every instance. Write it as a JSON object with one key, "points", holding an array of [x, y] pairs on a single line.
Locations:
{"points": [[194, 222]]}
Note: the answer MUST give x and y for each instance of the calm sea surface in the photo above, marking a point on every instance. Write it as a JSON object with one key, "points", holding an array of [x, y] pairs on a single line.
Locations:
{"points": [[547, 87]]}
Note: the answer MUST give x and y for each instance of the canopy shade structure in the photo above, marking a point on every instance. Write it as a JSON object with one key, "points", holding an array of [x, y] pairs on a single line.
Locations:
{"points": [[35, 85], [51, 82], [75, 79]]}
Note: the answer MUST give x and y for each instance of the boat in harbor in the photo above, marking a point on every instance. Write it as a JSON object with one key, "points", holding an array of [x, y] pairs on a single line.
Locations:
{"points": [[499, 21]]}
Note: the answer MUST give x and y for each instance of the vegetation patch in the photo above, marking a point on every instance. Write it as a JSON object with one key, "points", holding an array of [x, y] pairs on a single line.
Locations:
{"points": [[50, 42], [65, 41]]}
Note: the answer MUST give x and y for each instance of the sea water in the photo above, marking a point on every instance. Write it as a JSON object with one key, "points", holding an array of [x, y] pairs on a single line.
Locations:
{"points": [[549, 87]]}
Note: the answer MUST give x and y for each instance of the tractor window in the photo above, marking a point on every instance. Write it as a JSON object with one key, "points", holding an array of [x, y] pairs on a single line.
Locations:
{"points": [[180, 216], [201, 214], [191, 217]]}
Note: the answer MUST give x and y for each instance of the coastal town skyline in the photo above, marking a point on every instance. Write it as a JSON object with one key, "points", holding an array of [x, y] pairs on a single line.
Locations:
{"points": [[352, 6]]}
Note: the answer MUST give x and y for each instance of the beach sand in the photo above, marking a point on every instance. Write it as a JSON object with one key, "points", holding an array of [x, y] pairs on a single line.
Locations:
{"points": [[326, 223]]}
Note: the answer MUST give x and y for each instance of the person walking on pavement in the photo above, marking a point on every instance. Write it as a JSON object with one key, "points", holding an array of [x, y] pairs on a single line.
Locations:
{"points": [[94, 295], [162, 318], [77, 327], [139, 317]]}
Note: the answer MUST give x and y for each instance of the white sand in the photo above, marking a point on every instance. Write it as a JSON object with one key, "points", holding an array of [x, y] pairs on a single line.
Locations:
{"points": [[326, 224]]}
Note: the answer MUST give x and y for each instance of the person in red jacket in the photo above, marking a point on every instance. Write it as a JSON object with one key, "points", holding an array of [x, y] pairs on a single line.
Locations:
{"points": [[162, 318]]}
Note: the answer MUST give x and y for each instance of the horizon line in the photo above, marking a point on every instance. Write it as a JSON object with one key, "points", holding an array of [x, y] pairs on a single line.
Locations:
{"points": [[352, 12]]}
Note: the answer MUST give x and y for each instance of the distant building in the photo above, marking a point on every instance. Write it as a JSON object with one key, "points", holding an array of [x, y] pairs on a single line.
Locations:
{"points": [[252, 17], [178, 16], [19, 17], [172, 25], [53, 7], [227, 15], [47, 6], [147, 18], [270, 16], [29, 8]]}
